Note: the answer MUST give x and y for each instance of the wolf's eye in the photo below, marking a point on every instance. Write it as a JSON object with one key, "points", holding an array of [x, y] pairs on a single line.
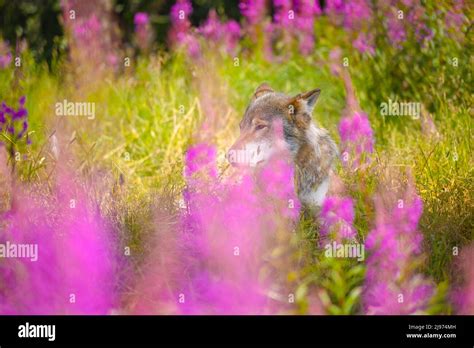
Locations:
{"points": [[260, 126]]}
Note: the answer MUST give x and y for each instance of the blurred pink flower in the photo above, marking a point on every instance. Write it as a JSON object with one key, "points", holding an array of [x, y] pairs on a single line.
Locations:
{"points": [[75, 270], [143, 33], [253, 10], [227, 226], [463, 297], [217, 32], [5, 55], [305, 16], [391, 286], [337, 218], [180, 34], [395, 29], [364, 43], [357, 139]]}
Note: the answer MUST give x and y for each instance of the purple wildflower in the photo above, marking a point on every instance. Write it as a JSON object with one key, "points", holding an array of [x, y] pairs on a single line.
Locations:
{"points": [[5, 55], [9, 118], [282, 12], [463, 296], [364, 43], [225, 229], [416, 19], [253, 10], [356, 137], [306, 11], [357, 12], [395, 29], [455, 17], [142, 30], [201, 159], [394, 243], [141, 18], [74, 272], [180, 34], [217, 32], [233, 31], [337, 218]]}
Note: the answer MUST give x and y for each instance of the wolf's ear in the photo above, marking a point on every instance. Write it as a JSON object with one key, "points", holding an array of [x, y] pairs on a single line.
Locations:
{"points": [[304, 102], [308, 99], [264, 88]]}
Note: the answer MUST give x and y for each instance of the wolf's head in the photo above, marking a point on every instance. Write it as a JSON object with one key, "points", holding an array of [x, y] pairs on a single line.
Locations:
{"points": [[265, 116]]}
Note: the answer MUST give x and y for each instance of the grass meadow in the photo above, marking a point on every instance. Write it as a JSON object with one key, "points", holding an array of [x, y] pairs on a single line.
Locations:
{"points": [[156, 104]]}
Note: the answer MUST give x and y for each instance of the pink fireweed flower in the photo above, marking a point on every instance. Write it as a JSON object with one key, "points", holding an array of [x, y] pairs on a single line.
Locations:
{"points": [[226, 228], [356, 17], [73, 269], [87, 29], [233, 31], [180, 33], [5, 55], [337, 218], [363, 43], [143, 32], [455, 17], [463, 297], [253, 10], [217, 32], [282, 12], [201, 159], [416, 20], [357, 12], [335, 7], [14, 122], [395, 29], [305, 12], [357, 139], [391, 287]]}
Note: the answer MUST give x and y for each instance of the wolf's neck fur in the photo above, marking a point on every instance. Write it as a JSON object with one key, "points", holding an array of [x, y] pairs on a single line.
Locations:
{"points": [[314, 160]]}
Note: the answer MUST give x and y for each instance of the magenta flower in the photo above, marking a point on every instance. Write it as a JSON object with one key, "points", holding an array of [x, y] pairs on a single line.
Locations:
{"points": [[357, 12], [180, 24], [337, 218], [357, 139], [364, 43], [88, 29], [455, 17], [201, 159], [416, 20], [180, 34], [356, 17], [143, 32], [141, 18], [463, 296], [233, 34], [13, 121], [225, 229], [253, 10], [395, 30], [217, 32], [391, 287], [306, 11], [5, 55], [73, 270]]}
